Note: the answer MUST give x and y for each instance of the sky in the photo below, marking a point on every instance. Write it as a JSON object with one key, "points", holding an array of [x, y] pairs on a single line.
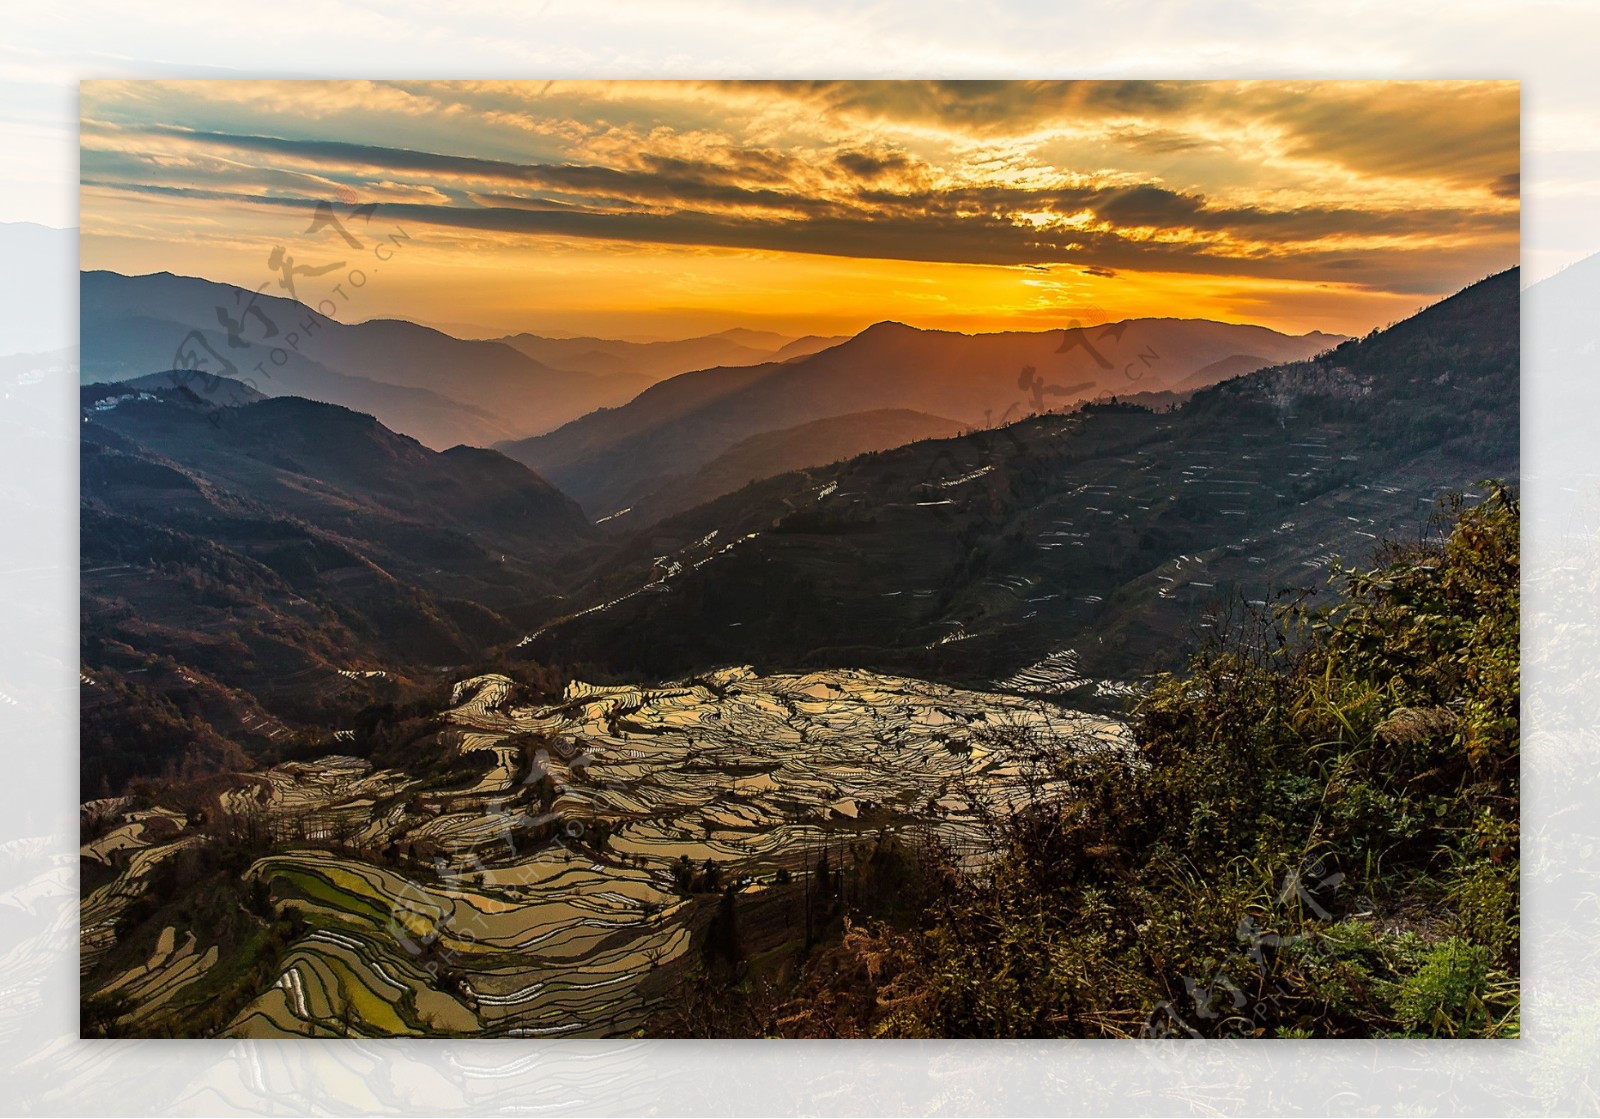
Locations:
{"points": [[649, 209]]}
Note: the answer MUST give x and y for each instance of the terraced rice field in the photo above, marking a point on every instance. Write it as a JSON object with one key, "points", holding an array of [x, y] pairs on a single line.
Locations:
{"points": [[546, 913]]}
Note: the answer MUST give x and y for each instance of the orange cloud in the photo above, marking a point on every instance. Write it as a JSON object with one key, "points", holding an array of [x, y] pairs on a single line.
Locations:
{"points": [[814, 206]]}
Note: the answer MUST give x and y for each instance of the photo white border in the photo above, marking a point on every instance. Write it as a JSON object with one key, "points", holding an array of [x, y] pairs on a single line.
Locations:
{"points": [[44, 1069]]}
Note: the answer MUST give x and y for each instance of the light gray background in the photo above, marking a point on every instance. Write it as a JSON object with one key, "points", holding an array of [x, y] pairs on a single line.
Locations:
{"points": [[1549, 46]]}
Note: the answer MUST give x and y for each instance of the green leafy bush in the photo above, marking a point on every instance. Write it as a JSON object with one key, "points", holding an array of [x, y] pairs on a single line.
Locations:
{"points": [[1317, 836]]}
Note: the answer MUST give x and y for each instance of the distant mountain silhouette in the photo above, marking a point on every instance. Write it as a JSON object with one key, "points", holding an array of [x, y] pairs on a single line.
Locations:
{"points": [[810, 344], [341, 470], [615, 457], [439, 389], [657, 360]]}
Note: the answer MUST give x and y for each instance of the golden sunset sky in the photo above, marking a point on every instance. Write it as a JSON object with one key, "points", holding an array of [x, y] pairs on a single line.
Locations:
{"points": [[666, 209]]}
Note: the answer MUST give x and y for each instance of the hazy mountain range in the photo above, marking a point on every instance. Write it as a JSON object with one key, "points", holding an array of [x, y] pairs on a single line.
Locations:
{"points": [[617, 458], [437, 388], [638, 430], [658, 360]]}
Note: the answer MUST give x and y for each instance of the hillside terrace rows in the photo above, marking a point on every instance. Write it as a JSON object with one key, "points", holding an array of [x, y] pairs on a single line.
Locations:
{"points": [[549, 917]]}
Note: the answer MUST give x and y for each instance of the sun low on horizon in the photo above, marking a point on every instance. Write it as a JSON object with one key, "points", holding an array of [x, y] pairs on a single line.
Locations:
{"points": [[668, 209]]}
